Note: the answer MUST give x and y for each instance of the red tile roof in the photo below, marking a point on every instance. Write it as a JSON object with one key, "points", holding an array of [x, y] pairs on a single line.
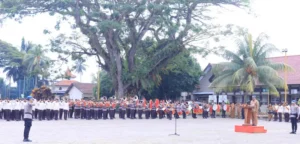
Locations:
{"points": [[294, 62], [65, 83], [86, 88]]}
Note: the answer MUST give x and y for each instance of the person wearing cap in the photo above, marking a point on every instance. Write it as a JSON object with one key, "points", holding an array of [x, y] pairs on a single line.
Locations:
{"points": [[28, 117], [294, 115], [255, 106]]}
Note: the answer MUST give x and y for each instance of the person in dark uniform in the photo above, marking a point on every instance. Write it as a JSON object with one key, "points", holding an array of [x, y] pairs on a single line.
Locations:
{"points": [[105, 109], [100, 111], [71, 108], [183, 109], [128, 110], [153, 111]]}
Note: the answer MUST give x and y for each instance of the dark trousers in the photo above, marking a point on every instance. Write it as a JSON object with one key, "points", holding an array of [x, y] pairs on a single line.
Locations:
{"points": [[1, 113], [294, 124], [275, 116], [96, 114], [176, 114], [87, 114], [194, 114], [132, 114], [160, 114], [83, 114], [243, 113], [92, 113], [8, 114], [213, 114], [77, 113], [71, 111], [51, 114], [140, 112], [12, 115], [36, 111], [183, 114], [61, 113], [55, 114], [111, 113], [169, 115], [286, 117], [28, 123], [100, 112], [128, 113], [65, 114], [48, 114], [17, 115], [280, 117], [41, 114], [147, 114], [105, 114], [153, 111], [223, 114], [22, 114], [120, 113], [44, 114]]}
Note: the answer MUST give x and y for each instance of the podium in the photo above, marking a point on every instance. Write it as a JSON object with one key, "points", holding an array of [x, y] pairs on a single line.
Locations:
{"points": [[247, 126]]}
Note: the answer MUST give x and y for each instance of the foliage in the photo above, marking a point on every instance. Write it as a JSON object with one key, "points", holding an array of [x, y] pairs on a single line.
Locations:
{"points": [[117, 32], [42, 93], [183, 75], [249, 67], [80, 67]]}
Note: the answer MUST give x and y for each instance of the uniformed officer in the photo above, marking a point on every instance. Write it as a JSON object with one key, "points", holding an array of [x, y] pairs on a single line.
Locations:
{"points": [[294, 115]]}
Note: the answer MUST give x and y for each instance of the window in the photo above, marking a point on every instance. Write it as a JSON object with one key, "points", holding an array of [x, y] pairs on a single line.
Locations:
{"points": [[211, 78], [60, 88]]}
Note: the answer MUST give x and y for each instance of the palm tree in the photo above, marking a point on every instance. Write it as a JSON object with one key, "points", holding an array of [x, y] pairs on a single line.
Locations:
{"points": [[36, 61], [249, 67], [80, 67]]}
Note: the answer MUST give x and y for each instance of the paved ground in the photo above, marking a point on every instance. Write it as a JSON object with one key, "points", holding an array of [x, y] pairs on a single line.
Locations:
{"points": [[192, 131]]}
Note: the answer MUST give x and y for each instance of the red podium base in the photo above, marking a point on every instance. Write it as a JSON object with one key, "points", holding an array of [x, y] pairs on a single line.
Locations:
{"points": [[250, 129]]}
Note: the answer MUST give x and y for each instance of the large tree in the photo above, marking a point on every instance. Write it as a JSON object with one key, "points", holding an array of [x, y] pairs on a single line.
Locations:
{"points": [[248, 67], [117, 30]]}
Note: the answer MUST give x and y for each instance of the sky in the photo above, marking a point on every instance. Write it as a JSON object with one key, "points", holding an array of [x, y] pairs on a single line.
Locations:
{"points": [[276, 18]]}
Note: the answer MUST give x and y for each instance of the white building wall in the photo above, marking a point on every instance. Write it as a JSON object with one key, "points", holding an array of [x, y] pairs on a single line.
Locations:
{"points": [[74, 93]]}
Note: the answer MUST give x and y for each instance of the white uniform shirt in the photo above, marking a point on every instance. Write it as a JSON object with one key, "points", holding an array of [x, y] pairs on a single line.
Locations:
{"points": [[280, 109], [287, 109], [41, 106], [65, 105], [49, 105], [8, 106], [55, 105], [17, 106], [61, 105]]}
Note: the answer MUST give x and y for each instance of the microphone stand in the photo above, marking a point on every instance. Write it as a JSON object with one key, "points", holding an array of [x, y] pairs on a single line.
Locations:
{"points": [[175, 134]]}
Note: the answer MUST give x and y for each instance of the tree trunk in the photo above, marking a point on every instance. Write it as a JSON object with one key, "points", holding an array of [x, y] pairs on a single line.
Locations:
{"points": [[35, 82], [24, 86]]}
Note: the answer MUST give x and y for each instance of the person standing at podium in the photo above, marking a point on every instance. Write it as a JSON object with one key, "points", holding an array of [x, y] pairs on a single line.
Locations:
{"points": [[255, 106]]}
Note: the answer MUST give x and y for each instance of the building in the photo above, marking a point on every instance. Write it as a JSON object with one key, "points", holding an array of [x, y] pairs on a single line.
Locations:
{"points": [[59, 88], [203, 91], [80, 91]]}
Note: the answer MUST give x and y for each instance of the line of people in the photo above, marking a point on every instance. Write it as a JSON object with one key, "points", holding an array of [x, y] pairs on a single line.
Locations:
{"points": [[107, 109]]}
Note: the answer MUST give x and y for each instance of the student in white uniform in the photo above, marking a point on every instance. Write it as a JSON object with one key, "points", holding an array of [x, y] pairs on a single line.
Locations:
{"points": [[22, 105], [56, 109], [48, 109], [41, 108], [66, 109], [8, 108], [280, 111], [61, 109], [17, 110]]}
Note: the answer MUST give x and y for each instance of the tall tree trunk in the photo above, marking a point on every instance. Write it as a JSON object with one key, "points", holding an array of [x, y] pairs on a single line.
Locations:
{"points": [[24, 86], [35, 83]]}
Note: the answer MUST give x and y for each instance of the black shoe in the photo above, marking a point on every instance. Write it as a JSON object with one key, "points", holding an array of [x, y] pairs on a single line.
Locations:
{"points": [[27, 140], [292, 132]]}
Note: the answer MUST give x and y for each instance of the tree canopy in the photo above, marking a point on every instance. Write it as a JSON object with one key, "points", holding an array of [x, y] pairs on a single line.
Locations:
{"points": [[249, 67], [133, 40]]}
